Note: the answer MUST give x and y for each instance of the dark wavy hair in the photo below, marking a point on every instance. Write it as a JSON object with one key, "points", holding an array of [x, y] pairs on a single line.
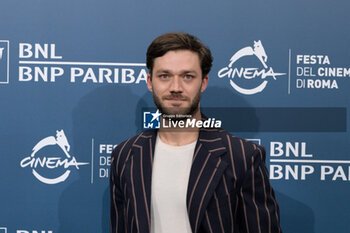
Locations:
{"points": [[179, 41]]}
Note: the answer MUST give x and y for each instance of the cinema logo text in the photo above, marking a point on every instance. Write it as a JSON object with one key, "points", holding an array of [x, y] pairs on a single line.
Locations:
{"points": [[234, 73], [42, 63], [53, 145]]}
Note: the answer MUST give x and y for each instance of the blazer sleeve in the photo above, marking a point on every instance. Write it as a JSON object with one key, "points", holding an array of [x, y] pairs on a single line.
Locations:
{"points": [[117, 218], [257, 199]]}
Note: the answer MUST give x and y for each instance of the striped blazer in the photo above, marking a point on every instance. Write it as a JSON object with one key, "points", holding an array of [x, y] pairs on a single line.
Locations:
{"points": [[228, 190]]}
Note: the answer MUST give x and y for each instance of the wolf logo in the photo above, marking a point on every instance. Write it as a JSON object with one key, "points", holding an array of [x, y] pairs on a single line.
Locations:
{"points": [[249, 73], [258, 51], [60, 140], [52, 162]]}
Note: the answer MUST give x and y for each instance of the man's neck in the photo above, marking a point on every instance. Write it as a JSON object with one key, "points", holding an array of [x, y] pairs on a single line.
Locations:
{"points": [[177, 136]]}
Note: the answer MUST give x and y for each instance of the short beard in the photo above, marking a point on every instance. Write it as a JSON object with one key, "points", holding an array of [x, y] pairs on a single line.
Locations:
{"points": [[187, 112]]}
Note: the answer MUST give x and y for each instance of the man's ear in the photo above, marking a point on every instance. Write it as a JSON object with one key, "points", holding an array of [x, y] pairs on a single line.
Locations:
{"points": [[205, 81], [149, 82]]}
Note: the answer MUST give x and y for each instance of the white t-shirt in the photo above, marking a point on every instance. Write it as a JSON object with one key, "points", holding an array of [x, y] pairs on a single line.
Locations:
{"points": [[170, 174]]}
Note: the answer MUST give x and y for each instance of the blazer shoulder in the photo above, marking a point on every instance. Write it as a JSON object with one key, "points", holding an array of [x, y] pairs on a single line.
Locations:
{"points": [[120, 152], [241, 147], [242, 155]]}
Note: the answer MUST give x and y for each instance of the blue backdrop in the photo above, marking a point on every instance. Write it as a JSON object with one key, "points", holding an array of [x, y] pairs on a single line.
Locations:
{"points": [[72, 86]]}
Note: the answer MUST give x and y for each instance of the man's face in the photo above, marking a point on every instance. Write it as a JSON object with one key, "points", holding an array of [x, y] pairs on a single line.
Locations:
{"points": [[177, 82]]}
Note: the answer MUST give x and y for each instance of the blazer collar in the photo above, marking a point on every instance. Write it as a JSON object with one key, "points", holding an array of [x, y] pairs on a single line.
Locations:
{"points": [[206, 171]]}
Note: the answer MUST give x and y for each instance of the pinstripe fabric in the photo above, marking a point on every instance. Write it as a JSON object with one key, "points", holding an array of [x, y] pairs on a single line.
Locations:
{"points": [[228, 189]]}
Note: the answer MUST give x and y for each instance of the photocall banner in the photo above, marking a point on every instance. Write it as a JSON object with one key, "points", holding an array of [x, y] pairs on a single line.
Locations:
{"points": [[73, 86]]}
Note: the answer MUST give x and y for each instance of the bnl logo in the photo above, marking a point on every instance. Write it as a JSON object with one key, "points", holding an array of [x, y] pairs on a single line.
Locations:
{"points": [[4, 61], [3, 230], [151, 120]]}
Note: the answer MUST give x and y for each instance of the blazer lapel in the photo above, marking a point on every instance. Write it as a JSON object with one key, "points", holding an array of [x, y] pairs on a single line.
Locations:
{"points": [[206, 171], [141, 176]]}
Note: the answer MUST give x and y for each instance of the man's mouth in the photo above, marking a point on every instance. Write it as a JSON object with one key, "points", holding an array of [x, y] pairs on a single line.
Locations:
{"points": [[175, 98]]}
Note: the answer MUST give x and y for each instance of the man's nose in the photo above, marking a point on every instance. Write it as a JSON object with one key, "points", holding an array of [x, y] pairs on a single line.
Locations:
{"points": [[176, 85]]}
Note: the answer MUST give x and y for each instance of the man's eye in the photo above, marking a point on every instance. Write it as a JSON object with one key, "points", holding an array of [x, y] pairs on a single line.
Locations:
{"points": [[164, 76], [187, 76]]}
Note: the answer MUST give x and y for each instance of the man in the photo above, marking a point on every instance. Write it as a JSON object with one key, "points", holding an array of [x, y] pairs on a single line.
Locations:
{"points": [[188, 179]]}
